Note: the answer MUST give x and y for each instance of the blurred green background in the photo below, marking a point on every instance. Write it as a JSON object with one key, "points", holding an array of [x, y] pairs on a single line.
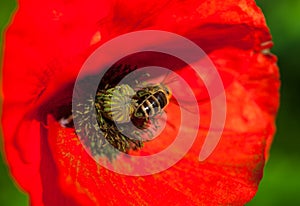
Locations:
{"points": [[281, 182]]}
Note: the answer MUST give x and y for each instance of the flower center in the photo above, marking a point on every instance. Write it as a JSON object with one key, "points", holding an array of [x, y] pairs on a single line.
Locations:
{"points": [[126, 112]]}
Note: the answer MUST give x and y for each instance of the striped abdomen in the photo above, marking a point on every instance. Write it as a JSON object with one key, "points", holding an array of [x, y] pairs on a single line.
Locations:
{"points": [[151, 104]]}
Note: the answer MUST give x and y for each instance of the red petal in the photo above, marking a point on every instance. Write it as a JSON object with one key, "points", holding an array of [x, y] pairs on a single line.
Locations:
{"points": [[52, 44], [229, 176]]}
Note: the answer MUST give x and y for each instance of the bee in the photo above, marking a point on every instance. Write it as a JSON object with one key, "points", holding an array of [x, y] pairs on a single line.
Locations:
{"points": [[151, 100]]}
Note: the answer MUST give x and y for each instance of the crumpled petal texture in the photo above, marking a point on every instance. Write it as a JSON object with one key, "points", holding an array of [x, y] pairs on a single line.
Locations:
{"points": [[46, 45]]}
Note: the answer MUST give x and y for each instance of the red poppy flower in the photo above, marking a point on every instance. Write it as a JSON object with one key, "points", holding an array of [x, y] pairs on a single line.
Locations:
{"points": [[47, 44]]}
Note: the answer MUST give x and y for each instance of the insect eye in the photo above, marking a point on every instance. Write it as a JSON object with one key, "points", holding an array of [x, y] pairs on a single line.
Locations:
{"points": [[169, 93], [167, 90]]}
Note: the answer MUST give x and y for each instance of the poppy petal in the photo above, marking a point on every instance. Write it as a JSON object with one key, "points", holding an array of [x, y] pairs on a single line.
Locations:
{"points": [[43, 54], [235, 168]]}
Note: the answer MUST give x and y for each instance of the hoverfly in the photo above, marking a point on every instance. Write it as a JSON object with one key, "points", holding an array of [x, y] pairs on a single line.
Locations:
{"points": [[150, 101]]}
